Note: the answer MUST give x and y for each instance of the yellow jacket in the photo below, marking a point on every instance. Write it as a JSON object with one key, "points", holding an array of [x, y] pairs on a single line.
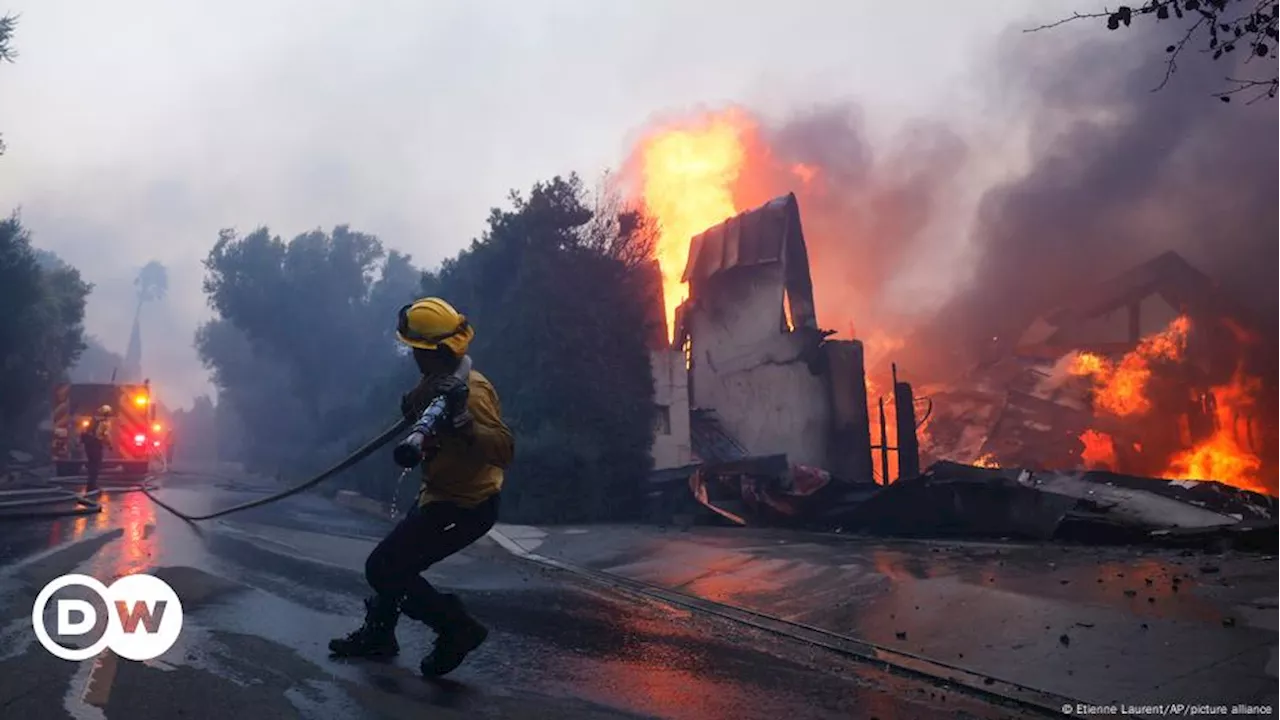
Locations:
{"points": [[467, 471], [100, 429]]}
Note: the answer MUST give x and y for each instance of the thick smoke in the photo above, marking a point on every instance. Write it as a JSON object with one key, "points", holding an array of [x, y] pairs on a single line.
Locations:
{"points": [[913, 250], [870, 212], [1119, 173]]}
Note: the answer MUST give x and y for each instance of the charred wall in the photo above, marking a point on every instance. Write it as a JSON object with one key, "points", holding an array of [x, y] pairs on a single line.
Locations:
{"points": [[765, 384], [672, 446]]}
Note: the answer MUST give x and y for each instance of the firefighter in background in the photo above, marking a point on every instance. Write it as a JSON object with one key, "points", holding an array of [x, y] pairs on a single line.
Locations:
{"points": [[95, 439], [457, 504]]}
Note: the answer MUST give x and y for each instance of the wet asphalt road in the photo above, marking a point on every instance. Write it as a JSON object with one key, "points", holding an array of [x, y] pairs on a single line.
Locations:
{"points": [[265, 590]]}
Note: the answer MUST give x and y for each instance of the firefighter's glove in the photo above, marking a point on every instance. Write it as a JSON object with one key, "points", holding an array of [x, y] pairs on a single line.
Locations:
{"points": [[407, 407], [455, 392]]}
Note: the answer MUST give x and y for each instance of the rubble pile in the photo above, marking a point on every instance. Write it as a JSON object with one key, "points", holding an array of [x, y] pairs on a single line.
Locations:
{"points": [[950, 500]]}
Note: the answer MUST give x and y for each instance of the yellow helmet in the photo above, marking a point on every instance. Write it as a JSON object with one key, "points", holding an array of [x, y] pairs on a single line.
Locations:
{"points": [[105, 411], [430, 323]]}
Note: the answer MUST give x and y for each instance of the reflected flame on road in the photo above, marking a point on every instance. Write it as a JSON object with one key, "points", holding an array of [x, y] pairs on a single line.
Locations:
{"points": [[136, 515], [133, 513]]}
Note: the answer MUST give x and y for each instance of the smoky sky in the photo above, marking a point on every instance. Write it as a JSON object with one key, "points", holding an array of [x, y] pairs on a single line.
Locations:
{"points": [[137, 133], [872, 212], [907, 241], [1120, 173]]}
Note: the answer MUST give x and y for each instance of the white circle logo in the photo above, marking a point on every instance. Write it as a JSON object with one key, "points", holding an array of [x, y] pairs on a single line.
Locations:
{"points": [[144, 617]]}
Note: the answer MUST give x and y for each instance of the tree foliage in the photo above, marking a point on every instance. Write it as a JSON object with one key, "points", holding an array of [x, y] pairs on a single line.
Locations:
{"points": [[41, 333], [7, 53], [553, 289], [96, 363], [1221, 29], [302, 349], [302, 338], [7, 25], [152, 282], [195, 432]]}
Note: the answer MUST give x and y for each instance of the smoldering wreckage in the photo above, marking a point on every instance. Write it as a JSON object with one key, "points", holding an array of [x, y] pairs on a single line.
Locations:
{"points": [[1131, 415]]}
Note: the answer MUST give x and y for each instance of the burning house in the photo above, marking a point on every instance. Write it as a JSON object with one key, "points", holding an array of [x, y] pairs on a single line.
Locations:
{"points": [[763, 416], [750, 375], [1151, 374], [1154, 372]]}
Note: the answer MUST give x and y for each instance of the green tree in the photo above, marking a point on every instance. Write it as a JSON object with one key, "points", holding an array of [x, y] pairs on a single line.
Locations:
{"points": [[41, 333], [303, 353], [553, 289], [1242, 33], [302, 345]]}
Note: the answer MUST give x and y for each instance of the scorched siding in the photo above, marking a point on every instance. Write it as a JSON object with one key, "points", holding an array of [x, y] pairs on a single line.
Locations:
{"points": [[752, 373], [671, 390]]}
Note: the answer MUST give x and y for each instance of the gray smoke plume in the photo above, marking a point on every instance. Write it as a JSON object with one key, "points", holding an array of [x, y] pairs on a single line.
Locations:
{"points": [[870, 210], [1119, 174]]}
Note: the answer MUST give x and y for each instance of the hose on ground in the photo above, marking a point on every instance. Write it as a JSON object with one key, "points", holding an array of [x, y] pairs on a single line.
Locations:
{"points": [[361, 453], [15, 500], [85, 506]]}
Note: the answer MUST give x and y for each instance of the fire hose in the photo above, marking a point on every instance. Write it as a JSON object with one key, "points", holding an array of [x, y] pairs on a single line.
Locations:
{"points": [[408, 454]]}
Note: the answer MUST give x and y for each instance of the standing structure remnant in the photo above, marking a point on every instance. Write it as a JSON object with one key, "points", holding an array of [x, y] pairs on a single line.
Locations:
{"points": [[904, 413], [905, 426], [755, 352]]}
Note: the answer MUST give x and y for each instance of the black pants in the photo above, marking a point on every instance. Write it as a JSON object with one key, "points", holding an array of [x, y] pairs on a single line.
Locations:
{"points": [[426, 536], [92, 462]]}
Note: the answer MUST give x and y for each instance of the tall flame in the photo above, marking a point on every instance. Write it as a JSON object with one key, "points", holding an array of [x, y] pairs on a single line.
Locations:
{"points": [[688, 173], [1223, 456], [1120, 388]]}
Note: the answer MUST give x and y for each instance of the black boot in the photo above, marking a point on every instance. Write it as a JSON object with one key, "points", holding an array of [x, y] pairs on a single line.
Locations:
{"points": [[457, 634], [376, 637]]}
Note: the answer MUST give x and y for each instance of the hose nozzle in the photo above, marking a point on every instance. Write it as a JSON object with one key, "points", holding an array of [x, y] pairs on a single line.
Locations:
{"points": [[410, 452]]}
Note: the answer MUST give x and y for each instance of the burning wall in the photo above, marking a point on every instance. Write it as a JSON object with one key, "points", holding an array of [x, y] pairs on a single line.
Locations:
{"points": [[754, 351]]}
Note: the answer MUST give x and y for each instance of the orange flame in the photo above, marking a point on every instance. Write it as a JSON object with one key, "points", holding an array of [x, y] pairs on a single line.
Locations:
{"points": [[1223, 456], [1099, 450], [688, 173], [986, 461], [1120, 388]]}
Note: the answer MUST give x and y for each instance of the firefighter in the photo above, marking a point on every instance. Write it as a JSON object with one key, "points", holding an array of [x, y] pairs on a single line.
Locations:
{"points": [[457, 503], [96, 438]]}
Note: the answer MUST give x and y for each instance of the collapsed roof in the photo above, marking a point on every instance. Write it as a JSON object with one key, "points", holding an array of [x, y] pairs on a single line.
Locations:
{"points": [[1168, 276], [1022, 408]]}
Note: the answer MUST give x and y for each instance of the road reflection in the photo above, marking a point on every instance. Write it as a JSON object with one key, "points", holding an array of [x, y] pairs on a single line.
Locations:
{"points": [[134, 514]]}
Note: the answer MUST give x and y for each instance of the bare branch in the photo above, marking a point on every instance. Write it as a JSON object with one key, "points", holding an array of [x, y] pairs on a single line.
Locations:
{"points": [[1266, 89], [1064, 21], [1171, 66]]}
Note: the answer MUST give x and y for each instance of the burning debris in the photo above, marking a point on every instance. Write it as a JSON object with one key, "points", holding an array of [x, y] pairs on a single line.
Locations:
{"points": [[1152, 373], [1087, 388]]}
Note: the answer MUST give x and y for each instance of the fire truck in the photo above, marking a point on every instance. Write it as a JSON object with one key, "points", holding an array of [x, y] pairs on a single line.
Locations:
{"points": [[137, 438]]}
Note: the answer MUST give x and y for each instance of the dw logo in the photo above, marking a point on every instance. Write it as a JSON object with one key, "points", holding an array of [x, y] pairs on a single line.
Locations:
{"points": [[144, 617]]}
